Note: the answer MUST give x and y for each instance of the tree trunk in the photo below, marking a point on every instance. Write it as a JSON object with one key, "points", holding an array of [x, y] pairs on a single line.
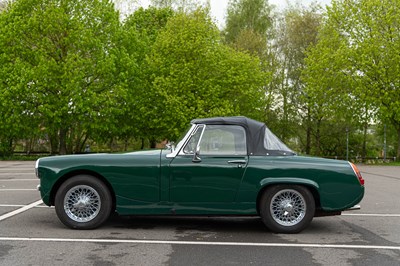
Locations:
{"points": [[6, 148], [308, 133], [398, 144], [111, 144], [364, 145], [317, 143], [126, 143], [80, 144], [63, 141], [153, 144], [318, 139], [142, 146], [53, 138], [308, 140]]}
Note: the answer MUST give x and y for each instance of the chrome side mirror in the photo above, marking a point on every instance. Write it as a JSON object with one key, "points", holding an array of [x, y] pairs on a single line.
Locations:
{"points": [[170, 146], [196, 156]]}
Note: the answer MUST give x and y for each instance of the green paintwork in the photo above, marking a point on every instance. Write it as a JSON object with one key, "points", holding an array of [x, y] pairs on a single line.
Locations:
{"points": [[148, 182]]}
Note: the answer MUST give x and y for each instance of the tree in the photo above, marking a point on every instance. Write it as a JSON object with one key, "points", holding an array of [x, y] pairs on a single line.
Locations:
{"points": [[328, 95], [178, 5], [248, 17], [195, 75], [59, 63], [140, 32], [296, 31], [3, 5], [366, 57], [249, 29], [16, 120]]}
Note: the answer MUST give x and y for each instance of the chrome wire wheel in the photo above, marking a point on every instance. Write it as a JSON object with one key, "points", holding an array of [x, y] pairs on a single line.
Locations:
{"points": [[288, 207], [82, 203]]}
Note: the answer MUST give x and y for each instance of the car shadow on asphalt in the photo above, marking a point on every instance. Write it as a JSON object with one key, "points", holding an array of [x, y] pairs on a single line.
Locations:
{"points": [[232, 225], [189, 223]]}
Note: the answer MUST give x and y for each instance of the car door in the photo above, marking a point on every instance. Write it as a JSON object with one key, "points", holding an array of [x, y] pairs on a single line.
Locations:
{"points": [[209, 168]]}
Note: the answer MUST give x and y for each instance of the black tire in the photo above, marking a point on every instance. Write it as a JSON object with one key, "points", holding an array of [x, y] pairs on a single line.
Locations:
{"points": [[83, 202], [287, 209]]}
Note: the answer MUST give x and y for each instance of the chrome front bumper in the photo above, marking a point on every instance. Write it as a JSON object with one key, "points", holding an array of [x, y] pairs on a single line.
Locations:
{"points": [[355, 207]]}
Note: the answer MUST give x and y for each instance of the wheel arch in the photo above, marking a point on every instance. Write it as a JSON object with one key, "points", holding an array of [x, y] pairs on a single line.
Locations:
{"points": [[94, 174], [309, 184]]}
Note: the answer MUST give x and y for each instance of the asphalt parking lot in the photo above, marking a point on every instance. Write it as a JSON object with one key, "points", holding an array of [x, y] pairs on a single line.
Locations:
{"points": [[31, 234]]}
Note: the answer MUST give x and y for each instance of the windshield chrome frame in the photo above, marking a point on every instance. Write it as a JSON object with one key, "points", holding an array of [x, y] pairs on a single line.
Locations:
{"points": [[181, 152], [183, 142]]}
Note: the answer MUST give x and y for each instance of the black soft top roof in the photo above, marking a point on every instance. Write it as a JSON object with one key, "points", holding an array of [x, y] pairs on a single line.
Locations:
{"points": [[251, 124], [255, 130]]}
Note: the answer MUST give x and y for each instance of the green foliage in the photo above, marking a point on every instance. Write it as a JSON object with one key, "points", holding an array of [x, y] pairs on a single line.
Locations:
{"points": [[72, 73], [246, 15], [59, 66], [355, 62], [178, 5], [144, 25], [195, 75], [295, 32]]}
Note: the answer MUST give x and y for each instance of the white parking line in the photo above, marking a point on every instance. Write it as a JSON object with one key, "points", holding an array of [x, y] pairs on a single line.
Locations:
{"points": [[18, 189], [20, 205], [371, 214], [200, 243], [19, 173], [31, 179], [18, 211], [348, 214]]}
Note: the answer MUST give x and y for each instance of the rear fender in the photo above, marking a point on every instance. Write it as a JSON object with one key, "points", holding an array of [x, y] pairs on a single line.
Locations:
{"points": [[288, 180], [267, 182]]}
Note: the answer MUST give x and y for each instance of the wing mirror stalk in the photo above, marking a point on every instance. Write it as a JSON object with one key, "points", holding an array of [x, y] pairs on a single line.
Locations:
{"points": [[170, 146], [196, 156]]}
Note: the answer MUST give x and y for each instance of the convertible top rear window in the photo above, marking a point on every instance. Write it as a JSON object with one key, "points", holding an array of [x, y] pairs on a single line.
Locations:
{"points": [[273, 143]]}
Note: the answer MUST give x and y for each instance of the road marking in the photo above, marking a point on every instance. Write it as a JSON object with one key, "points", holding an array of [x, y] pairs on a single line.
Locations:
{"points": [[371, 214], [16, 173], [21, 205], [18, 211], [346, 214], [349, 214], [200, 243], [32, 179], [18, 189], [388, 176]]}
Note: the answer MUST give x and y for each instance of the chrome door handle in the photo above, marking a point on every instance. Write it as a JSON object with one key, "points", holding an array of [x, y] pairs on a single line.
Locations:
{"points": [[239, 163]]}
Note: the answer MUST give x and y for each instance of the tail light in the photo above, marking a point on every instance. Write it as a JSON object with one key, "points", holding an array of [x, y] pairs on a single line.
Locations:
{"points": [[357, 173]]}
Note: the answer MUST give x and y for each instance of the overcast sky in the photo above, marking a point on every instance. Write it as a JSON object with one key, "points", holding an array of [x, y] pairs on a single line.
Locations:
{"points": [[218, 7]]}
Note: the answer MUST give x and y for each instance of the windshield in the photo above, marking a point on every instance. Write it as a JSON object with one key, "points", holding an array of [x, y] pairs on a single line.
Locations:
{"points": [[273, 143], [183, 137]]}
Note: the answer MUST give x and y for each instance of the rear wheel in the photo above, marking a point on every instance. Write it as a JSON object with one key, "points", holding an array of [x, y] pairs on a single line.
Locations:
{"points": [[287, 208], [83, 202]]}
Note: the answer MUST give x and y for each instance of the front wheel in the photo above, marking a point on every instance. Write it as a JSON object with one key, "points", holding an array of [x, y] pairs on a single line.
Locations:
{"points": [[287, 208], [83, 202]]}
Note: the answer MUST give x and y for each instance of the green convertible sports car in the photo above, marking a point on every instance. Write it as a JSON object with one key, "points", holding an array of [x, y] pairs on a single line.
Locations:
{"points": [[222, 166]]}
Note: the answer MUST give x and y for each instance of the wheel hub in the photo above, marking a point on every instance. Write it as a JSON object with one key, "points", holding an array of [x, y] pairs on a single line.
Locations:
{"points": [[82, 203], [288, 207]]}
